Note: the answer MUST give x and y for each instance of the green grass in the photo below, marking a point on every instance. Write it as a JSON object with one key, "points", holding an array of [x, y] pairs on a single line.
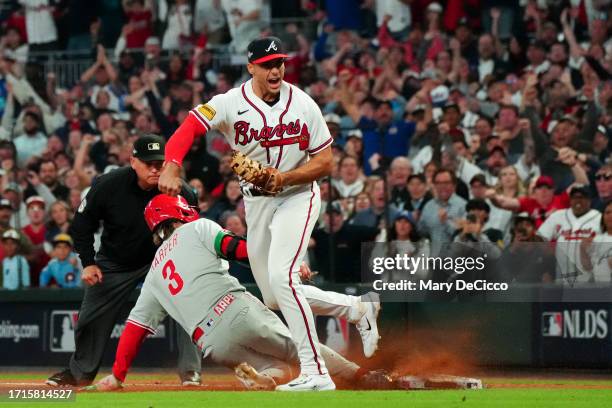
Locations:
{"points": [[484, 398], [544, 381], [513, 398]]}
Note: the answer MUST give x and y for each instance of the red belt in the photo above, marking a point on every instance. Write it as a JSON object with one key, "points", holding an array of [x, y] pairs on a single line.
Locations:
{"points": [[197, 333]]}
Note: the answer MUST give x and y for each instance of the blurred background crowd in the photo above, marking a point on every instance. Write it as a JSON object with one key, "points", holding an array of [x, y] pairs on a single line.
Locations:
{"points": [[453, 121]]}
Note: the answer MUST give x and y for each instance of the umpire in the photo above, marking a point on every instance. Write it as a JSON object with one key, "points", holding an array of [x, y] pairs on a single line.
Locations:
{"points": [[118, 199]]}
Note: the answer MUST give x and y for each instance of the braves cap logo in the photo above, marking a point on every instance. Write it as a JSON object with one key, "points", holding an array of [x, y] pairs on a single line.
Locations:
{"points": [[265, 49], [272, 46]]}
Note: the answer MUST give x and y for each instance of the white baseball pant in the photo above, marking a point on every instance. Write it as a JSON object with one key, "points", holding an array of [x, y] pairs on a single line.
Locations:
{"points": [[279, 229]]}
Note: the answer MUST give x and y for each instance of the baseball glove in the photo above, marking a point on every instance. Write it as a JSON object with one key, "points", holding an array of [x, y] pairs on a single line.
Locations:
{"points": [[267, 180]]}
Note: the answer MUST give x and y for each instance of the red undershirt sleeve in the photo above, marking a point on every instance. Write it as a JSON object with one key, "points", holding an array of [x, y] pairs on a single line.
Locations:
{"points": [[129, 344], [179, 144]]}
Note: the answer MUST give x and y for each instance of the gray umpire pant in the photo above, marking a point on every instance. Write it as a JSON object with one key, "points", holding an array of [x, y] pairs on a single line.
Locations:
{"points": [[99, 312]]}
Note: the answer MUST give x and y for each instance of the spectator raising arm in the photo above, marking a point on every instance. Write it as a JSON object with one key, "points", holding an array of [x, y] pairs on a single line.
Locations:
{"points": [[6, 126], [331, 64], [346, 99], [108, 67], [576, 51], [303, 44], [501, 201], [52, 96], [570, 158], [41, 189], [152, 94], [101, 61], [90, 72], [455, 47], [81, 158], [495, 16], [591, 116], [380, 84]]}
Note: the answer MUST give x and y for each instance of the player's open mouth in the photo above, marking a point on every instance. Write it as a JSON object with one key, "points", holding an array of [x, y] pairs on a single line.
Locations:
{"points": [[274, 82]]}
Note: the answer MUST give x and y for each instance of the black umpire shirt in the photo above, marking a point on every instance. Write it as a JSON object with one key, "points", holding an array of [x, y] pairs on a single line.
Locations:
{"points": [[117, 200]]}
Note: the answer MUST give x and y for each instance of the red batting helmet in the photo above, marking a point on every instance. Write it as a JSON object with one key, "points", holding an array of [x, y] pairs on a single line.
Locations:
{"points": [[164, 207]]}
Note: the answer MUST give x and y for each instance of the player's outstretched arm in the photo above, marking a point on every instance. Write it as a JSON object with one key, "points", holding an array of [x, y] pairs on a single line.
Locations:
{"points": [[129, 344], [176, 149], [319, 165], [146, 314]]}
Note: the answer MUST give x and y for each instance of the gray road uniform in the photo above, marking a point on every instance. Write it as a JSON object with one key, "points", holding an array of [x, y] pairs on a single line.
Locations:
{"points": [[189, 281]]}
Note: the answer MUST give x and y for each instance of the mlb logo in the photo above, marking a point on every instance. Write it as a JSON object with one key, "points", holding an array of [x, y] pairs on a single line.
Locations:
{"points": [[153, 146], [552, 324], [63, 324]]}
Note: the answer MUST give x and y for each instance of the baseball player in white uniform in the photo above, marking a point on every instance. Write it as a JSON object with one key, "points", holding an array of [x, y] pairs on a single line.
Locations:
{"points": [[189, 281], [280, 126], [568, 228], [596, 253]]}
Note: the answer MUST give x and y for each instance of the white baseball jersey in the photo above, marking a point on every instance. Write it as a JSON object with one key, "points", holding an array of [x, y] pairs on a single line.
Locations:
{"points": [[567, 230], [283, 136], [186, 279], [601, 258], [280, 136]]}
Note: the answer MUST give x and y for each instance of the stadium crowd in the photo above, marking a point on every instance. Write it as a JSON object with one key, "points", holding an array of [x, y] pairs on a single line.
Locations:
{"points": [[453, 121]]}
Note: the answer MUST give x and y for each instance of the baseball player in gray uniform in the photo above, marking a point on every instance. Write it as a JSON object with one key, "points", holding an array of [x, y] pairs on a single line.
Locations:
{"points": [[189, 281]]}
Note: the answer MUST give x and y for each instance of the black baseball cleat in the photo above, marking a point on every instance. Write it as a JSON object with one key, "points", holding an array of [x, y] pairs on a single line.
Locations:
{"points": [[190, 379], [62, 379]]}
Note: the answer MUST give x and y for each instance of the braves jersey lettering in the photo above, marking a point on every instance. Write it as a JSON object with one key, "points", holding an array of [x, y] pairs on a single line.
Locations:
{"points": [[567, 230], [283, 135], [575, 235], [245, 134], [564, 226]]}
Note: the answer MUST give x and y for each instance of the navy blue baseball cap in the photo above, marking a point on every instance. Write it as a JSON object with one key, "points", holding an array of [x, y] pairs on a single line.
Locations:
{"points": [[149, 148], [265, 49]]}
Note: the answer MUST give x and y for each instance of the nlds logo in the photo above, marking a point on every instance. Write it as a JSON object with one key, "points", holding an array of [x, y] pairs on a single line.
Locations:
{"points": [[575, 324]]}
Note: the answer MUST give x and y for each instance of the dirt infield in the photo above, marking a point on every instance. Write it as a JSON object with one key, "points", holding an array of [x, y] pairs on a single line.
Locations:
{"points": [[226, 382], [423, 353]]}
